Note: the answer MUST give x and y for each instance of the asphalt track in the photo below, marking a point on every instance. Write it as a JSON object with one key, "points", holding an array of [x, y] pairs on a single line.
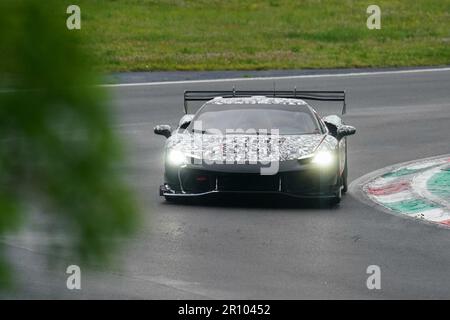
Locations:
{"points": [[268, 248]]}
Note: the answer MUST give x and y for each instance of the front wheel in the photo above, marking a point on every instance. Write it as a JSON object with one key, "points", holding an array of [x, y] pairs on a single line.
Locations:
{"points": [[337, 198], [344, 178]]}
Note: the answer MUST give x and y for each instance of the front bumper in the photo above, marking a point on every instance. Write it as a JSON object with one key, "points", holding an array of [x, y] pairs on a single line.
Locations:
{"points": [[294, 179], [164, 190]]}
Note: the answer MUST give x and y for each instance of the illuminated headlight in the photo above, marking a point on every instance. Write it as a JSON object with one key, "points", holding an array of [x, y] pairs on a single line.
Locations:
{"points": [[323, 158], [176, 158]]}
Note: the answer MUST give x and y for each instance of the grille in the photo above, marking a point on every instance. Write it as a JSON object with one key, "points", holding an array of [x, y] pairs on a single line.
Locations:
{"points": [[247, 182]]}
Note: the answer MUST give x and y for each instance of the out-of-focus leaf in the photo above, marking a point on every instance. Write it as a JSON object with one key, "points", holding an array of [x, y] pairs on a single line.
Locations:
{"points": [[57, 150]]}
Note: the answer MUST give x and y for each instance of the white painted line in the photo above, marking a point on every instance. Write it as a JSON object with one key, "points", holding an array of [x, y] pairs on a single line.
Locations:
{"points": [[435, 215], [306, 76], [427, 164]]}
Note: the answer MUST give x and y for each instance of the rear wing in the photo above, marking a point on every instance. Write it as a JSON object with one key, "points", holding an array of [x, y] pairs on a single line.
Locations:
{"points": [[190, 95]]}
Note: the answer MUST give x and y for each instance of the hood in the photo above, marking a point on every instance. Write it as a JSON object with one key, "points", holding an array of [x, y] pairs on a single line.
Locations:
{"points": [[243, 148]]}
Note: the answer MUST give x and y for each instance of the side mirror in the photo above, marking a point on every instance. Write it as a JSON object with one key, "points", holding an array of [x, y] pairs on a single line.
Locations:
{"points": [[344, 131], [185, 121], [163, 129], [333, 119], [333, 122]]}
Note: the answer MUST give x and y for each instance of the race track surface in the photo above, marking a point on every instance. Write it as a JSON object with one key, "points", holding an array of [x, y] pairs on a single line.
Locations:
{"points": [[246, 249]]}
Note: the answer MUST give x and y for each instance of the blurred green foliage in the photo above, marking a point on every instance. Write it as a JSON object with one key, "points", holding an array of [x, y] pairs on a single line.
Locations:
{"points": [[58, 154]]}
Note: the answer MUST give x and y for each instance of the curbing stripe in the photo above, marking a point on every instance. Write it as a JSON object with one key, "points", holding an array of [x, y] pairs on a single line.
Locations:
{"points": [[439, 184], [400, 173], [395, 197], [420, 184], [419, 189], [388, 189], [409, 206]]}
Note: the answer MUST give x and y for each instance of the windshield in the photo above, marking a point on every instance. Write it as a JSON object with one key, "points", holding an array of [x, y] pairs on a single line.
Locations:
{"points": [[288, 119]]}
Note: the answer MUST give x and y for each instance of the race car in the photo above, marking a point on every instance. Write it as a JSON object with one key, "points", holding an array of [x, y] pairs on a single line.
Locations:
{"points": [[258, 142]]}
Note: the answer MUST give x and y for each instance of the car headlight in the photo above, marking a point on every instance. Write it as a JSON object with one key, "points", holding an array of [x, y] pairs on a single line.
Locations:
{"points": [[176, 158], [323, 158]]}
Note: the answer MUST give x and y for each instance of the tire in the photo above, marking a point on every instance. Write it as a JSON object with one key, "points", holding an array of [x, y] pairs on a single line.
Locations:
{"points": [[337, 198], [340, 190], [344, 178]]}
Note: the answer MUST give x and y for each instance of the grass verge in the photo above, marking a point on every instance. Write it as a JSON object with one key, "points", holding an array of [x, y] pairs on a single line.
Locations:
{"points": [[148, 35]]}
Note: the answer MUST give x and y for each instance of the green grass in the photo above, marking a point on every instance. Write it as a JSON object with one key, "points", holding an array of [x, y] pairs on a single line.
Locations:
{"points": [[131, 35]]}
